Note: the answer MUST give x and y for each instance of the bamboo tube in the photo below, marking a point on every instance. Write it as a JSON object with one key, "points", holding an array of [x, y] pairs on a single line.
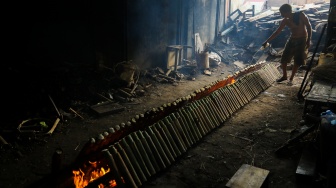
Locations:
{"points": [[244, 90], [217, 105], [181, 119], [163, 128], [143, 153], [184, 135], [269, 76], [168, 128], [157, 127], [230, 96], [225, 102], [222, 105], [192, 123], [133, 160], [122, 167], [205, 122], [229, 100], [257, 84], [235, 98], [209, 112], [148, 151], [214, 108], [205, 113], [188, 124], [163, 144], [238, 96], [217, 102], [252, 84], [128, 163], [260, 77], [241, 95], [159, 155], [114, 169], [159, 146], [176, 134], [196, 120], [138, 156], [246, 85]]}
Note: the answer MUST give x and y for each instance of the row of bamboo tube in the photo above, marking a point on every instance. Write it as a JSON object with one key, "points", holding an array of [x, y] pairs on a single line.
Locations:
{"points": [[147, 150]]}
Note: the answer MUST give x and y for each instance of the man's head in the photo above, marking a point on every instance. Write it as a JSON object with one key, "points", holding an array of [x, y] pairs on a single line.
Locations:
{"points": [[285, 10]]}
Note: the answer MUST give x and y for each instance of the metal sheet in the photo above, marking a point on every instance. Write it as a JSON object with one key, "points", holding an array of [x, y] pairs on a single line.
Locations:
{"points": [[320, 91]]}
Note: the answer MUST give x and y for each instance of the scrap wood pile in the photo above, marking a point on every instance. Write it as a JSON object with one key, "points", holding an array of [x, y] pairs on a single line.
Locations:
{"points": [[248, 33]]}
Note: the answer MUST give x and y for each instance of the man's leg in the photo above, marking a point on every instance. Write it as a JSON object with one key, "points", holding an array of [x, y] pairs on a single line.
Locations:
{"points": [[284, 72], [300, 57], [294, 70], [286, 58]]}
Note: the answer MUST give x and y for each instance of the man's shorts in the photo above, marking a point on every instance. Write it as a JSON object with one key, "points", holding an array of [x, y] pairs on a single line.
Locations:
{"points": [[295, 47]]}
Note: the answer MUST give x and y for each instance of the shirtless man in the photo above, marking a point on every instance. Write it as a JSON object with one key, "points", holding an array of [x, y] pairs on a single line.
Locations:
{"points": [[298, 43]]}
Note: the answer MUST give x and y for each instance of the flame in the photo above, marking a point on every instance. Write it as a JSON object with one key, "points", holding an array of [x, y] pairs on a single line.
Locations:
{"points": [[81, 179], [232, 81]]}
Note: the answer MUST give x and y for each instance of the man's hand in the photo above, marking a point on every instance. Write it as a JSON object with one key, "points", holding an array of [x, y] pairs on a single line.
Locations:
{"points": [[264, 44]]}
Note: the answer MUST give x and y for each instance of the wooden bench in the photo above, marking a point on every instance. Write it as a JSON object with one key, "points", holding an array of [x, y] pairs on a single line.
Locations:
{"points": [[248, 176]]}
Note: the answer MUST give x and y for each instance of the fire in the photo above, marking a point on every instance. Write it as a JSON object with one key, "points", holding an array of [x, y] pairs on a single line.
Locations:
{"points": [[81, 179], [233, 81]]}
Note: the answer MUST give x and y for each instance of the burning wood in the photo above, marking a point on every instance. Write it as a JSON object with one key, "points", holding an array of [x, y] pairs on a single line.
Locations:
{"points": [[89, 173]]}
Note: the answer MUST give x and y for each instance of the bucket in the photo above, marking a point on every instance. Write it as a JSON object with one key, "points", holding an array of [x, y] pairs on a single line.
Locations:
{"points": [[204, 60]]}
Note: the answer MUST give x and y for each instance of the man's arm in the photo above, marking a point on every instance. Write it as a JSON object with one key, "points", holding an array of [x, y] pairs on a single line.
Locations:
{"points": [[307, 24], [276, 32]]}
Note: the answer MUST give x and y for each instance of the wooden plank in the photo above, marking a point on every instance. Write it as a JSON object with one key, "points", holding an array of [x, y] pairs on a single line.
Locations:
{"points": [[307, 164], [248, 176], [107, 108], [261, 15]]}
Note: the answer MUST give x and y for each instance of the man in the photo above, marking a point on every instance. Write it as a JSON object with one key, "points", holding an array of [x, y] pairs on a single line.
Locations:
{"points": [[298, 43]]}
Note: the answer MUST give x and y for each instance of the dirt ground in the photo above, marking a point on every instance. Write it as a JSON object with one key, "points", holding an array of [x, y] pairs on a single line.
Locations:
{"points": [[251, 136]]}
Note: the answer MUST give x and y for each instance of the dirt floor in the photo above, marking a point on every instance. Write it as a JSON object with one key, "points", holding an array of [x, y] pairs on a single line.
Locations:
{"points": [[251, 136]]}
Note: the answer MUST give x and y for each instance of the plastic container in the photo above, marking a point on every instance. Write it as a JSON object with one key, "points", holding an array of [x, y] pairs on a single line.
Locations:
{"points": [[328, 117]]}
